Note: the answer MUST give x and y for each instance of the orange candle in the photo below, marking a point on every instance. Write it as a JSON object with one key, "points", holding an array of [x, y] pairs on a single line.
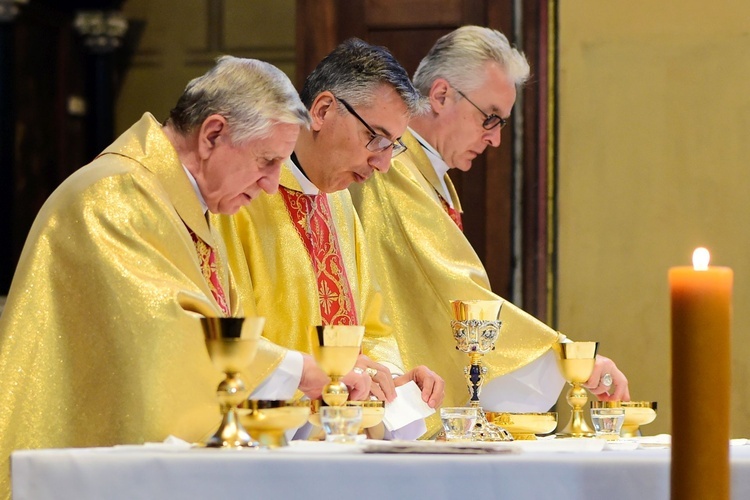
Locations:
{"points": [[701, 298]]}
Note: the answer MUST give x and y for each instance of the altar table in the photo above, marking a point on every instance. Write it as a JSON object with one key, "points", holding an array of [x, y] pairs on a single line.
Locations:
{"points": [[317, 471]]}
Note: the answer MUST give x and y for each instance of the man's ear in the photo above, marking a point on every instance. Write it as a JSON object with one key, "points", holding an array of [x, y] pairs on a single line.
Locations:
{"points": [[212, 128], [439, 94], [321, 106]]}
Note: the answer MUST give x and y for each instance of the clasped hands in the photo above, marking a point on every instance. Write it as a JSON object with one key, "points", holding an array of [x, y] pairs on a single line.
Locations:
{"points": [[371, 378]]}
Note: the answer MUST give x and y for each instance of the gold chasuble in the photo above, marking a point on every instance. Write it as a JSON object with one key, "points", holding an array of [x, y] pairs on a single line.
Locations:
{"points": [[423, 261], [100, 341], [299, 260]]}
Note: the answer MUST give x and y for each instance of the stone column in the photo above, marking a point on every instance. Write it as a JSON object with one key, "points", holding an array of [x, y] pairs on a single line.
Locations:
{"points": [[103, 33]]}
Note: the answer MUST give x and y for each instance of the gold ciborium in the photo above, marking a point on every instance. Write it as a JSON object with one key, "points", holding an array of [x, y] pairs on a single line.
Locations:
{"points": [[268, 420], [476, 326], [231, 344], [576, 362], [336, 348]]}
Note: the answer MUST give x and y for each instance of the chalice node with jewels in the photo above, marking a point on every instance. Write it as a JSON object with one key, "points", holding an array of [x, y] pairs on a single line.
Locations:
{"points": [[336, 349], [476, 326], [231, 344], [576, 362]]}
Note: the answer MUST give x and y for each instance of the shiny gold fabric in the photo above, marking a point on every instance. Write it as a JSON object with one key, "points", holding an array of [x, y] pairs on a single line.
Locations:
{"points": [[276, 278], [424, 261], [100, 341]]}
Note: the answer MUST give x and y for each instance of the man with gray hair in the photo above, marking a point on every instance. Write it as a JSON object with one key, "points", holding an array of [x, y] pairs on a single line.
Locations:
{"points": [[299, 255], [412, 221], [100, 339]]}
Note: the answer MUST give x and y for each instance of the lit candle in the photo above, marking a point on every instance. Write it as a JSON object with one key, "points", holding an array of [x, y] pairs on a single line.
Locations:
{"points": [[701, 299]]}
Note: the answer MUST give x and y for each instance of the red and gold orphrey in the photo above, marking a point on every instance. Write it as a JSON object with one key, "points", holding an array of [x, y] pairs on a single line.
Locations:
{"points": [[207, 258], [311, 216]]}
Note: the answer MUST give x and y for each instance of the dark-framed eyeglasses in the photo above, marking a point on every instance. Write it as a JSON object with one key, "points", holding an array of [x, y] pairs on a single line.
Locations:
{"points": [[378, 143], [490, 121]]}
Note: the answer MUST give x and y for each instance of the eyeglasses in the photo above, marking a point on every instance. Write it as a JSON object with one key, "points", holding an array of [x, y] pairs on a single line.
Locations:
{"points": [[378, 143], [490, 121]]}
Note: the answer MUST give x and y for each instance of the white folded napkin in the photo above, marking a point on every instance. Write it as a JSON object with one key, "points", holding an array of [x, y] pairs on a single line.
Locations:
{"points": [[406, 408]]}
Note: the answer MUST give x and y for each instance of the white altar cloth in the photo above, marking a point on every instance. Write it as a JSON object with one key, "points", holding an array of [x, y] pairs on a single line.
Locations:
{"points": [[321, 470]]}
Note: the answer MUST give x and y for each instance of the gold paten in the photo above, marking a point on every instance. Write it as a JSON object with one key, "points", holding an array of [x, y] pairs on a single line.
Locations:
{"points": [[524, 426], [576, 362], [476, 326], [336, 348], [268, 420], [231, 344], [637, 413]]}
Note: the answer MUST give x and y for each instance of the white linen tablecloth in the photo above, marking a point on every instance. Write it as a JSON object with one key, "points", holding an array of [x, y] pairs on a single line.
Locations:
{"points": [[320, 470]]}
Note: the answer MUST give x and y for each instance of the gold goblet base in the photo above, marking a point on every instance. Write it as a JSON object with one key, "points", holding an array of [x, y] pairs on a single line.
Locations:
{"points": [[486, 431], [231, 434], [577, 426]]}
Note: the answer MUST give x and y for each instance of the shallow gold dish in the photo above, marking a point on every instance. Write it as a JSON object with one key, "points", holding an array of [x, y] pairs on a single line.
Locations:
{"points": [[524, 426], [268, 420], [637, 413], [372, 413]]}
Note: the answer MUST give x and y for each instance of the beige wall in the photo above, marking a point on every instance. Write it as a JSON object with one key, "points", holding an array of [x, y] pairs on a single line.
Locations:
{"points": [[654, 146], [182, 38]]}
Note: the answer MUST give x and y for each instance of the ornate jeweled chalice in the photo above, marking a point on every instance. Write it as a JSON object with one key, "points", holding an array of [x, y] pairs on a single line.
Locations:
{"points": [[476, 326], [231, 344], [336, 348], [576, 362]]}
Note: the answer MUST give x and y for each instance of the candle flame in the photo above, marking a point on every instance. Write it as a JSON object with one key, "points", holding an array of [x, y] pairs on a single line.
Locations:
{"points": [[701, 257]]}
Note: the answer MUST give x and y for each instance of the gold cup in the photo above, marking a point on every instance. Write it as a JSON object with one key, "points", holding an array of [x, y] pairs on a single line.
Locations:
{"points": [[336, 348], [476, 326], [231, 344], [268, 420], [576, 362]]}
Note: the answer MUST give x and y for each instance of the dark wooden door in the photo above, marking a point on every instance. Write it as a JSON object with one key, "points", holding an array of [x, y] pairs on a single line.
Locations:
{"points": [[505, 184]]}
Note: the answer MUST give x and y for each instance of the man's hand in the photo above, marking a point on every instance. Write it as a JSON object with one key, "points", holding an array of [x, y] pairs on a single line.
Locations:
{"points": [[432, 385], [382, 386], [607, 382], [313, 378]]}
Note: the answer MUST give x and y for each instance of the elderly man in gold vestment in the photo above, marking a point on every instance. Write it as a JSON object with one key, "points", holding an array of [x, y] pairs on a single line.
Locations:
{"points": [[411, 217], [100, 341], [299, 255]]}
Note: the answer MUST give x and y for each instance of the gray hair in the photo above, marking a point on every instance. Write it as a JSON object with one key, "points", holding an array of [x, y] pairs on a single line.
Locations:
{"points": [[460, 55], [252, 95], [354, 70]]}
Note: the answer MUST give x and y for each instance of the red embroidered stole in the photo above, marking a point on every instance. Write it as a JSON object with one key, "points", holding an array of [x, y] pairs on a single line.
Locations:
{"points": [[207, 258], [454, 214], [311, 216]]}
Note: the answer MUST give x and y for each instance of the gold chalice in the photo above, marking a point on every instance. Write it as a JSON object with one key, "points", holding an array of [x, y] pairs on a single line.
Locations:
{"points": [[268, 420], [336, 349], [576, 362], [231, 344], [476, 326]]}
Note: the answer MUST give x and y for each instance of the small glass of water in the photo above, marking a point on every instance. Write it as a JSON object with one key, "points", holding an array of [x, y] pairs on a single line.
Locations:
{"points": [[341, 423], [458, 422], [608, 422]]}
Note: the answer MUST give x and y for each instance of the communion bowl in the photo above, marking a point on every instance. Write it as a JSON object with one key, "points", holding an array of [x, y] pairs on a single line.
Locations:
{"points": [[637, 413], [268, 420], [524, 426], [372, 413]]}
